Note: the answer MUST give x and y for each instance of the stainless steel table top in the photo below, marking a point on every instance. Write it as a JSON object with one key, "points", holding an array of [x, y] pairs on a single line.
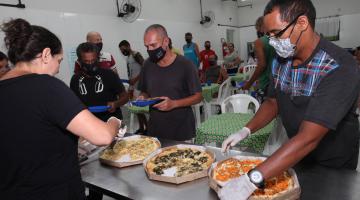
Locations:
{"points": [[316, 182]]}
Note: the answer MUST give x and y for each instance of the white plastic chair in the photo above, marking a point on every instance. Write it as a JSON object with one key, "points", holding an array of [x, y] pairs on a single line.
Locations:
{"points": [[196, 110], [132, 115], [248, 71], [224, 91], [239, 103]]}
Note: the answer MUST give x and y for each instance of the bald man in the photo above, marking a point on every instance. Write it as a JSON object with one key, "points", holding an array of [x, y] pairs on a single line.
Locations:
{"points": [[174, 79], [106, 60]]}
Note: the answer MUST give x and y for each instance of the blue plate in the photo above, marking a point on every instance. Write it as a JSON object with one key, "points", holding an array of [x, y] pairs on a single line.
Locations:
{"points": [[98, 109], [240, 84], [146, 102]]}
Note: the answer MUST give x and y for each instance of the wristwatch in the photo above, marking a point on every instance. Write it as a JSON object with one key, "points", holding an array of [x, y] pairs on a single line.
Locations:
{"points": [[256, 178]]}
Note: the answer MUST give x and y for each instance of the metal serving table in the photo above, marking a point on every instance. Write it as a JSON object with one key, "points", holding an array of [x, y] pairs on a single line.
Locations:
{"points": [[316, 182]]}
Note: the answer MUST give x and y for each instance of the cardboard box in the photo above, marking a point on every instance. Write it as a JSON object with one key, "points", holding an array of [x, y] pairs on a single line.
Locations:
{"points": [[129, 163], [292, 194], [173, 179]]}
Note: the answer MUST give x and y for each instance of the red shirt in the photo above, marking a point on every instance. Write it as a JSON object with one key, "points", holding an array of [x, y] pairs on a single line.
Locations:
{"points": [[225, 49], [204, 56]]}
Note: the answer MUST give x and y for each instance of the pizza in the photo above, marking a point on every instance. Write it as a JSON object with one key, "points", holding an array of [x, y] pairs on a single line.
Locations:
{"points": [[178, 162], [130, 149], [232, 168]]}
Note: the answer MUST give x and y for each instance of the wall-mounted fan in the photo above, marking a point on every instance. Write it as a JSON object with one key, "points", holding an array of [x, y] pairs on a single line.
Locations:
{"points": [[129, 10], [19, 5], [208, 19]]}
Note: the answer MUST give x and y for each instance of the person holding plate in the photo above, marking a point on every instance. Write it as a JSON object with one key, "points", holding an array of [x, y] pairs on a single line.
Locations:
{"points": [[173, 79], [96, 86]]}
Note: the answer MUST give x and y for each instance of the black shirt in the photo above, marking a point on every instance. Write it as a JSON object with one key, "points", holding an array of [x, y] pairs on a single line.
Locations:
{"points": [[323, 90], [98, 90], [39, 156], [176, 81]]}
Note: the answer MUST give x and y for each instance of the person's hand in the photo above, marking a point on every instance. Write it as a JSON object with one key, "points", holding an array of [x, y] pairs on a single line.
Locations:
{"points": [[166, 105], [240, 189], [121, 127], [235, 138], [112, 105], [246, 86]]}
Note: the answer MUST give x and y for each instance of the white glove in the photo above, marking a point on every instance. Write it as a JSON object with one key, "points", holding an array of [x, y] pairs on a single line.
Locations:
{"points": [[121, 130], [237, 189], [235, 138]]}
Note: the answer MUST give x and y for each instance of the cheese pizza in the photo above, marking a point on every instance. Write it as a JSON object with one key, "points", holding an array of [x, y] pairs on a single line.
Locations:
{"points": [[232, 168], [130, 149]]}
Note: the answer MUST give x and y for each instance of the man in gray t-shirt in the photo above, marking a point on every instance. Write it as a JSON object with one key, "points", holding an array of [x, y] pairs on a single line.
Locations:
{"points": [[174, 79]]}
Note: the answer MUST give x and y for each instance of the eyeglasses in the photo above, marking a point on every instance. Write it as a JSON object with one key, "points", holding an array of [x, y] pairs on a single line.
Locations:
{"points": [[280, 33]]}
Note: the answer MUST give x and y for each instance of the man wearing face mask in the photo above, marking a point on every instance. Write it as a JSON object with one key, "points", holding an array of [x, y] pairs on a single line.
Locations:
{"points": [[106, 60], [191, 50], [172, 78], [134, 62], [204, 56], [215, 73], [314, 89], [96, 86]]}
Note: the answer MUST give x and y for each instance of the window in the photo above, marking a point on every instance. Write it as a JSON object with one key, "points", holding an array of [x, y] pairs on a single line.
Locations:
{"points": [[329, 27]]}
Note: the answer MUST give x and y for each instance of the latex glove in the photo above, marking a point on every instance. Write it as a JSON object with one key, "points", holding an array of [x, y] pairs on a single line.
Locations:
{"points": [[235, 138], [237, 189], [122, 127]]}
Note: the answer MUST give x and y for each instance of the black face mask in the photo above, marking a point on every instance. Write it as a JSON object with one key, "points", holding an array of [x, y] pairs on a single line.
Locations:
{"points": [[188, 40], [212, 62], [90, 69], [207, 47], [100, 46], [157, 54], [259, 34], [126, 52]]}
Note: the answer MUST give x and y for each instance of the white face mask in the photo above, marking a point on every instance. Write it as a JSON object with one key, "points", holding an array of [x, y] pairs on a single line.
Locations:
{"points": [[283, 47]]}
